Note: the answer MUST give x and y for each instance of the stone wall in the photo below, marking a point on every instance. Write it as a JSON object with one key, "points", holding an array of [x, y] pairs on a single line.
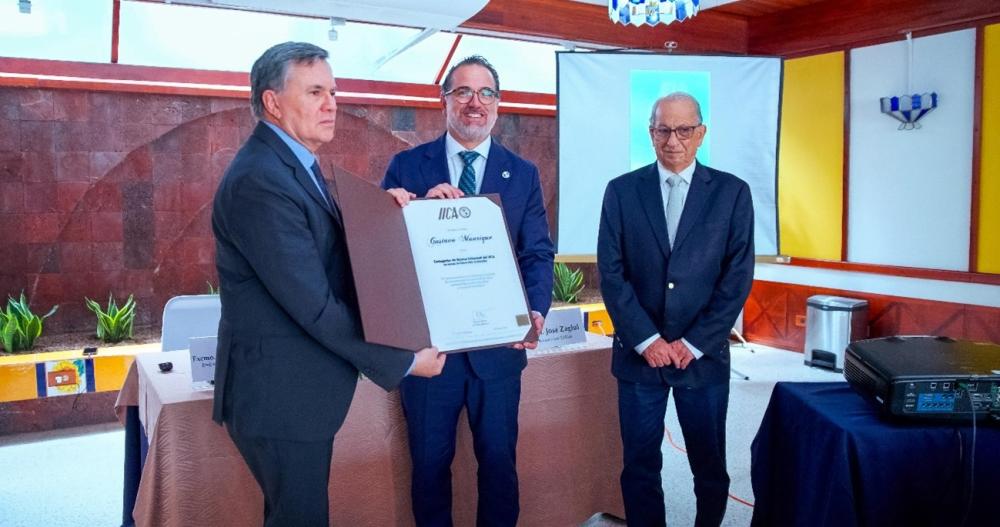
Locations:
{"points": [[112, 192]]}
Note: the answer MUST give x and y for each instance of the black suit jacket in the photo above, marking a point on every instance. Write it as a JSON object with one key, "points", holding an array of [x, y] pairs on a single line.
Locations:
{"points": [[695, 290], [290, 340]]}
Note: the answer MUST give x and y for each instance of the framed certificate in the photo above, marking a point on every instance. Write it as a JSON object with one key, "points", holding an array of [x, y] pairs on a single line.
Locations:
{"points": [[437, 272]]}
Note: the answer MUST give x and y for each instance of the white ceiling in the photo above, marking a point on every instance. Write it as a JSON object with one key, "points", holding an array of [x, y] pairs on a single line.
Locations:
{"points": [[435, 14]]}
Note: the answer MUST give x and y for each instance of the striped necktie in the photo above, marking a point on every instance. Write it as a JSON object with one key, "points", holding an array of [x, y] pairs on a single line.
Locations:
{"points": [[467, 183]]}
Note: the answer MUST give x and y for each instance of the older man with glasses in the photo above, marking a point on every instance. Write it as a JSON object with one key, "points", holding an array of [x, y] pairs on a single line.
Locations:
{"points": [[487, 383], [290, 342], [675, 253]]}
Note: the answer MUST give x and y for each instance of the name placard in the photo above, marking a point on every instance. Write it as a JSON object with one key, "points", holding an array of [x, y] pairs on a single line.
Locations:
{"points": [[562, 327], [202, 361]]}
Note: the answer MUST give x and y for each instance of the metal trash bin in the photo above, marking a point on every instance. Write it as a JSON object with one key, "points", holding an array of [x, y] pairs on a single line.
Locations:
{"points": [[833, 322]]}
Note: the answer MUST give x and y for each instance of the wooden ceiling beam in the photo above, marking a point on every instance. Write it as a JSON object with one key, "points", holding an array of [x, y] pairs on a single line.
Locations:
{"points": [[589, 23], [834, 25]]}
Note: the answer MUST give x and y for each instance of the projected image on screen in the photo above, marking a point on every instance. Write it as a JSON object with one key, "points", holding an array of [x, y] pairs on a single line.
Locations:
{"points": [[604, 103], [646, 86]]}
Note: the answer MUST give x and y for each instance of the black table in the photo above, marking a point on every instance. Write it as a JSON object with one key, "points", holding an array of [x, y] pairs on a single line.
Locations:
{"points": [[824, 457]]}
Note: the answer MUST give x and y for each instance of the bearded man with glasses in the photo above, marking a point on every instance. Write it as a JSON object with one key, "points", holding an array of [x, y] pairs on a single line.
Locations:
{"points": [[467, 161], [675, 253]]}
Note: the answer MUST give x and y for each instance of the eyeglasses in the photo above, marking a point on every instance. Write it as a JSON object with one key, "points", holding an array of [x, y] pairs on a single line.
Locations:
{"points": [[662, 133], [463, 94]]}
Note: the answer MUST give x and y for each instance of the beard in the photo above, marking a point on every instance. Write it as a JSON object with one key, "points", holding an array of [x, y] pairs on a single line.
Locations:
{"points": [[472, 133]]}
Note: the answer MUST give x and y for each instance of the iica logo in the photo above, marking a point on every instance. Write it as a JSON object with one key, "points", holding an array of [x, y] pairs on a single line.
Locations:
{"points": [[454, 213]]}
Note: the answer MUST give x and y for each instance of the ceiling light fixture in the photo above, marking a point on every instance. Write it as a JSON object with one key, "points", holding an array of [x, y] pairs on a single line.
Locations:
{"points": [[334, 23], [910, 107], [652, 12]]}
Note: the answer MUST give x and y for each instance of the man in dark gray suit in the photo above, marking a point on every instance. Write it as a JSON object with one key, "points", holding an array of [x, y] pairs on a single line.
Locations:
{"points": [[290, 341], [675, 252]]}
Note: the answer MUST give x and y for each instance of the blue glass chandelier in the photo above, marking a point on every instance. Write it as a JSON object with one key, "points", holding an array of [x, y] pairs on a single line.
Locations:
{"points": [[908, 109], [652, 12]]}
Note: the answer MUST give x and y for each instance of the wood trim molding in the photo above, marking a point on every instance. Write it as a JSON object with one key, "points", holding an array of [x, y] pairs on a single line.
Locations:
{"points": [[116, 13], [830, 25], [95, 70], [977, 126], [35, 73], [892, 270], [846, 163], [444, 65], [582, 22], [775, 314]]}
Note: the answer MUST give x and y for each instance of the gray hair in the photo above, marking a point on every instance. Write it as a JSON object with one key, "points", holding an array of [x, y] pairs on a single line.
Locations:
{"points": [[473, 59], [676, 96], [270, 71]]}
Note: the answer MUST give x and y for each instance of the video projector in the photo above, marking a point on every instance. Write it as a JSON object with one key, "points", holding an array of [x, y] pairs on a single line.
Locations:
{"points": [[927, 377]]}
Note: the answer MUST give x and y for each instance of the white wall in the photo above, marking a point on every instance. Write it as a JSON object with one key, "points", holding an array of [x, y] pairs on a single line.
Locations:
{"points": [[910, 191]]}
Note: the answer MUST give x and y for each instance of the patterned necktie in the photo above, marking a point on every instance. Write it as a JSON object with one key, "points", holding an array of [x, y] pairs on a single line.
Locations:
{"points": [[320, 182], [675, 205], [467, 183]]}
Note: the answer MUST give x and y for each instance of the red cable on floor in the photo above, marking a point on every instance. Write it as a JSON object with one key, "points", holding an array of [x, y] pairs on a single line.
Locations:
{"points": [[670, 439]]}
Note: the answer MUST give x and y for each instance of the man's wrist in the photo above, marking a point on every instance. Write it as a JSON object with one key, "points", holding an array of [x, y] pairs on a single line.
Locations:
{"points": [[694, 351], [412, 365], [641, 347]]}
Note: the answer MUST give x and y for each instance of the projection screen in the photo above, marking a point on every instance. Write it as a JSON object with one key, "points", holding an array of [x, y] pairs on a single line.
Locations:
{"points": [[604, 103]]}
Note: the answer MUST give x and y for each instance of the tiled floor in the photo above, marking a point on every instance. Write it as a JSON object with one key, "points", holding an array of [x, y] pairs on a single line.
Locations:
{"points": [[747, 401], [66, 478]]}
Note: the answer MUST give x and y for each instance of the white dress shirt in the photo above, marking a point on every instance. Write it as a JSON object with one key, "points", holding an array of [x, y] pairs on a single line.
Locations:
{"points": [[455, 164], [685, 174]]}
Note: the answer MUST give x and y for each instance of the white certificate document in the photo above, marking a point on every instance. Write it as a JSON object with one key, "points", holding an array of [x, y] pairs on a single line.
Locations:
{"points": [[469, 279]]}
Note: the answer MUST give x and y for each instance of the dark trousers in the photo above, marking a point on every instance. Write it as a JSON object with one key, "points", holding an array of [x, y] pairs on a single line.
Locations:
{"points": [[702, 415], [293, 475], [432, 407]]}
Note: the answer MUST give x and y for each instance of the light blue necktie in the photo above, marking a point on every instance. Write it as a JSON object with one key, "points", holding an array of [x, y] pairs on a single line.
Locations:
{"points": [[467, 183], [675, 205]]}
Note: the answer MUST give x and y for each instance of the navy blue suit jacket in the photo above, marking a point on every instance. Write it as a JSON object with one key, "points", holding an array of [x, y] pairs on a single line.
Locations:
{"points": [[710, 269], [290, 340], [423, 167]]}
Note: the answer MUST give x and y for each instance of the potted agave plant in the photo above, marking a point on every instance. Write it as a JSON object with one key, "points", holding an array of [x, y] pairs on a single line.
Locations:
{"points": [[567, 283], [19, 327], [114, 323]]}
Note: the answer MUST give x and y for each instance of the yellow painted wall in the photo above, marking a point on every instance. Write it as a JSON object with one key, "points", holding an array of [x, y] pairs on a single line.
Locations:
{"points": [[988, 260], [110, 372], [17, 382], [811, 157]]}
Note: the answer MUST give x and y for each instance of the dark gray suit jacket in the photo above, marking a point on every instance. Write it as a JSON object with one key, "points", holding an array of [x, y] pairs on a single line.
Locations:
{"points": [[694, 291], [290, 340]]}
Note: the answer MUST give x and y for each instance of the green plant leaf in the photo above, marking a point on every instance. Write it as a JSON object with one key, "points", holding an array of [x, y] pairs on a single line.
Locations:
{"points": [[91, 305], [20, 326], [567, 283], [7, 336], [114, 323], [32, 329]]}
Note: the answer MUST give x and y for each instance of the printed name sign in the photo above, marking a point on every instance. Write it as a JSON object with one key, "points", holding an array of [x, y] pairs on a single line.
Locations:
{"points": [[562, 327], [202, 360]]}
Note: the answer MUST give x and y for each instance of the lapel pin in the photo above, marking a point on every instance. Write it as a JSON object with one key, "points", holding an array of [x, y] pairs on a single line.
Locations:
{"points": [[505, 174]]}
